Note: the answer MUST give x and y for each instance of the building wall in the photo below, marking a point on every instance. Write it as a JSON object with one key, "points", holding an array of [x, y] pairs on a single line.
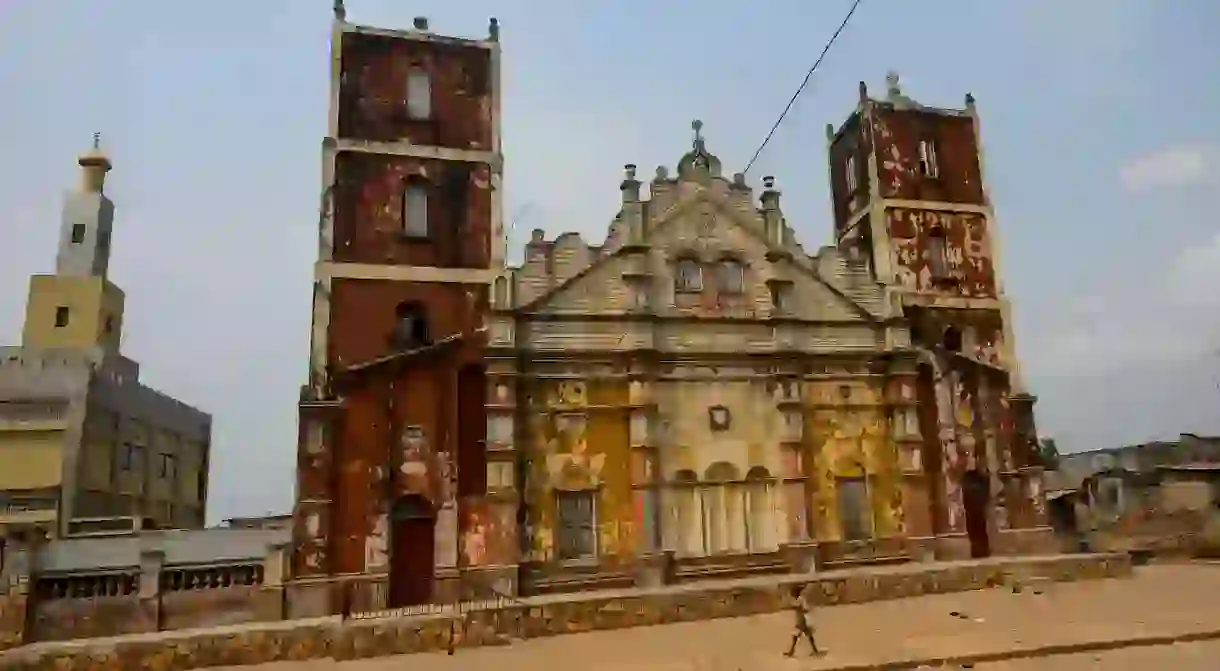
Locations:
{"points": [[91, 303]]}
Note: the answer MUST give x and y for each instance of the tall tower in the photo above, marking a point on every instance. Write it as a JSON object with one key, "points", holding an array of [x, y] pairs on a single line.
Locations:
{"points": [[78, 307], [392, 420], [910, 199]]}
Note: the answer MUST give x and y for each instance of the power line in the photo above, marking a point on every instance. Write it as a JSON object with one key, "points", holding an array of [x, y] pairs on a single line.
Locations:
{"points": [[805, 82]]}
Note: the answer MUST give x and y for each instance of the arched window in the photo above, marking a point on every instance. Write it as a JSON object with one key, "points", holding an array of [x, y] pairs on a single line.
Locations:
{"points": [[732, 276], [938, 253], [415, 208], [410, 326], [419, 93], [689, 276]]}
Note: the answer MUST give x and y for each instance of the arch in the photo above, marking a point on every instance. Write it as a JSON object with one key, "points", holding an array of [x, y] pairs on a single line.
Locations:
{"points": [[720, 472], [758, 510], [720, 508], [419, 93], [685, 475], [411, 326], [731, 275], [952, 339], [688, 274], [758, 473]]}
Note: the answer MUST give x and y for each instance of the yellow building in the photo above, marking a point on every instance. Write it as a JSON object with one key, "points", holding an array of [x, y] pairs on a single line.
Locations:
{"points": [[698, 392], [83, 444]]}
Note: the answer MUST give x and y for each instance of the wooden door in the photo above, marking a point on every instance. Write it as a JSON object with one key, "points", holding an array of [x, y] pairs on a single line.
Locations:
{"points": [[412, 552], [975, 499]]}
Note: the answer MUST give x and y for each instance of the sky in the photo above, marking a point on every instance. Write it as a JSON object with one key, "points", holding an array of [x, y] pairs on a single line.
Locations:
{"points": [[1098, 120]]}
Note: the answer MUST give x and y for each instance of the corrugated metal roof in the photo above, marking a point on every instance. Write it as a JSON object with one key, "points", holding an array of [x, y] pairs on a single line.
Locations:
{"points": [[181, 547]]}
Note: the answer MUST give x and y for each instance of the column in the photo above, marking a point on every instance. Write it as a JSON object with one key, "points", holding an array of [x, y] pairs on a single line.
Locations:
{"points": [[503, 496]]}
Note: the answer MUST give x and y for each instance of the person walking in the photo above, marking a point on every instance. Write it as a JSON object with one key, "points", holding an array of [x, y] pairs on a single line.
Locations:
{"points": [[799, 606]]}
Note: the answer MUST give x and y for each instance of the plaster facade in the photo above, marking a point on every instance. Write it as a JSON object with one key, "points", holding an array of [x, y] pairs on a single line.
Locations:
{"points": [[81, 438], [696, 392]]}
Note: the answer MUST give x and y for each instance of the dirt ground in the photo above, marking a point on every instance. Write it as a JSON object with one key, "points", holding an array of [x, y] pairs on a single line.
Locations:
{"points": [[1159, 600]]}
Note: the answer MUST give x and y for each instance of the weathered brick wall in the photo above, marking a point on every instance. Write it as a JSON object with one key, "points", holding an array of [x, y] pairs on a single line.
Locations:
{"points": [[344, 640]]}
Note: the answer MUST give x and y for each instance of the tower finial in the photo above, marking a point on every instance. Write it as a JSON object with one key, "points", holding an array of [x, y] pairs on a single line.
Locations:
{"points": [[697, 126], [94, 165], [340, 11], [892, 85]]}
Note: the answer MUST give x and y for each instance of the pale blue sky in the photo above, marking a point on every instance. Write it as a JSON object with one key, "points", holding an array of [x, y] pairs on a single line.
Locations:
{"points": [[1099, 120]]}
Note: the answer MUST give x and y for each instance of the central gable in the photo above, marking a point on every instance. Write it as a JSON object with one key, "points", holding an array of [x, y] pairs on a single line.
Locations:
{"points": [[741, 275]]}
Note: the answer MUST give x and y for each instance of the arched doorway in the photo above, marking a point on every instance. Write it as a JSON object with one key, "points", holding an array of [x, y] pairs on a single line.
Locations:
{"points": [[975, 499], [412, 551]]}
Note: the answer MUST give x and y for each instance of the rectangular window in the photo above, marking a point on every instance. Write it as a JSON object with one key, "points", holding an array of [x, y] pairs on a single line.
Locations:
{"points": [[777, 296], [855, 514], [415, 210], [938, 254], [850, 174], [130, 457], [927, 159], [166, 467], [419, 94], [577, 536], [61, 316], [78, 233]]}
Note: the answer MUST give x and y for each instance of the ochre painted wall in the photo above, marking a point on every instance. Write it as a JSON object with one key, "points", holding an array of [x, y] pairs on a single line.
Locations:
{"points": [[847, 436], [577, 439], [90, 300], [751, 439], [31, 459]]}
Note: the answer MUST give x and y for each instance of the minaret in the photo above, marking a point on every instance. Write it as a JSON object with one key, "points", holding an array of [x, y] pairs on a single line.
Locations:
{"points": [[78, 307]]}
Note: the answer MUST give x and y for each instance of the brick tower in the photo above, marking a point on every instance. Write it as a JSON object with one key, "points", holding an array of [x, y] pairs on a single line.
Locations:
{"points": [[910, 201], [391, 469]]}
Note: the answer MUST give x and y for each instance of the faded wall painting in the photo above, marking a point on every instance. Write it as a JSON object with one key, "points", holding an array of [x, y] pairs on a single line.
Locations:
{"points": [[489, 533], [849, 431], [578, 440]]}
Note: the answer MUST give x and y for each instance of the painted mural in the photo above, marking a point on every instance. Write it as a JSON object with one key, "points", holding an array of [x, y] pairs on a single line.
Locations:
{"points": [[489, 533], [579, 440], [847, 424]]}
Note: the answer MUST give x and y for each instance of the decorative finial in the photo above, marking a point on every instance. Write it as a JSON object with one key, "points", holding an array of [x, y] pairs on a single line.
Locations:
{"points": [[340, 11], [969, 100], [697, 126], [662, 173], [420, 23], [630, 170], [769, 182], [493, 29], [97, 141]]}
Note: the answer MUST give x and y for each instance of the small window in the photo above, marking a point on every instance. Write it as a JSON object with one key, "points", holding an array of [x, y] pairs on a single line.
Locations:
{"points": [[78, 233], [577, 525], [130, 457], [732, 276], [108, 326], [411, 326], [419, 94], [690, 276], [61, 317], [938, 253], [927, 159], [777, 297], [167, 467], [855, 512], [849, 171], [415, 209]]}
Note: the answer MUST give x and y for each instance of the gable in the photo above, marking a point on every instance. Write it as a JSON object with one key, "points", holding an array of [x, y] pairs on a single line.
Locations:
{"points": [[702, 227]]}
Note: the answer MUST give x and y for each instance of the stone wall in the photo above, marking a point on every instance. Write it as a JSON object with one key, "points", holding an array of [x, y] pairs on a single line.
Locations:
{"points": [[332, 637]]}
